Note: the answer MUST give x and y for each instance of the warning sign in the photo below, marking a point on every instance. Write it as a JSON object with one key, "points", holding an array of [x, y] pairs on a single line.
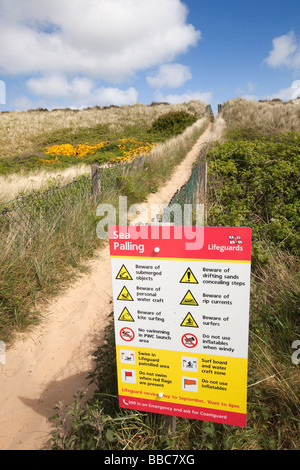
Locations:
{"points": [[124, 274], [188, 299], [182, 320], [189, 321], [189, 340], [124, 295], [188, 277], [125, 315], [127, 334]]}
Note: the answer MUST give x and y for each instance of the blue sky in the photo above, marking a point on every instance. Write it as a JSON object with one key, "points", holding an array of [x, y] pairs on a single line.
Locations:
{"points": [[80, 53]]}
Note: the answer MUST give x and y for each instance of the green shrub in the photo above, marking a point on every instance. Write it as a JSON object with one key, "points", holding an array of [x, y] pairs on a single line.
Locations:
{"points": [[246, 133], [172, 123], [255, 183]]}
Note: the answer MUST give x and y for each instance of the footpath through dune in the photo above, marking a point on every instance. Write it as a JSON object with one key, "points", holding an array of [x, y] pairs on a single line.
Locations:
{"points": [[51, 363]]}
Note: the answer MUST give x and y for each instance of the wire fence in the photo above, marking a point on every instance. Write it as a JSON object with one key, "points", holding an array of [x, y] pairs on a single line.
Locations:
{"points": [[187, 194], [21, 218], [192, 193]]}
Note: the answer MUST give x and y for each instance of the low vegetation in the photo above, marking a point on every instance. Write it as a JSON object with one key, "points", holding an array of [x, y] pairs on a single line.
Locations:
{"points": [[254, 181]]}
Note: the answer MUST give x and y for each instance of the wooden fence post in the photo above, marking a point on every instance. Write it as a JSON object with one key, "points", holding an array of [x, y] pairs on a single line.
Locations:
{"points": [[202, 184], [168, 423], [96, 180]]}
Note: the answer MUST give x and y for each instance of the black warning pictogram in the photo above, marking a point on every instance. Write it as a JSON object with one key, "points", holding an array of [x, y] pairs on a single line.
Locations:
{"points": [[188, 277], [189, 341], [124, 295], [124, 274], [189, 321], [189, 299], [125, 315]]}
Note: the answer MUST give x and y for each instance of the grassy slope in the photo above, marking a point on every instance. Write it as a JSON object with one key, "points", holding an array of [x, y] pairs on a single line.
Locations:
{"points": [[24, 137], [38, 268], [25, 133]]}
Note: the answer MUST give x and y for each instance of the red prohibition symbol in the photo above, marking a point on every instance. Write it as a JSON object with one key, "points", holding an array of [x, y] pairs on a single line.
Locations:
{"points": [[127, 334], [189, 341]]}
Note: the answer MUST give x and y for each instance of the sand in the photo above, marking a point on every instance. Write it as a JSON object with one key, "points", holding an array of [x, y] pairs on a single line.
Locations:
{"points": [[51, 363]]}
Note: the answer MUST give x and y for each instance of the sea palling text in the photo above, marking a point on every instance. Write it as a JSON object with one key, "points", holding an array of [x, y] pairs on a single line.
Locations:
{"points": [[127, 245]]}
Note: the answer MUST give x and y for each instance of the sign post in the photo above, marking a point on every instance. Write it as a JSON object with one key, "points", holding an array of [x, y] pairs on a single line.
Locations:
{"points": [[181, 314]]}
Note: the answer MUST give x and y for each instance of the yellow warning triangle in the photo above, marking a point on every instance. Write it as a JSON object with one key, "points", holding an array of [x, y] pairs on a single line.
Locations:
{"points": [[189, 321], [189, 277], [124, 274], [124, 295], [125, 315], [188, 299]]}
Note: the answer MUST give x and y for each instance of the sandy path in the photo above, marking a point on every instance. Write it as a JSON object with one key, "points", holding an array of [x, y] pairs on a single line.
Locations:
{"points": [[52, 362]]}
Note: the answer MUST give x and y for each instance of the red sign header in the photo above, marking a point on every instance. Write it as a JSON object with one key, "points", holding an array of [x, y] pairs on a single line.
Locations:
{"points": [[172, 242]]}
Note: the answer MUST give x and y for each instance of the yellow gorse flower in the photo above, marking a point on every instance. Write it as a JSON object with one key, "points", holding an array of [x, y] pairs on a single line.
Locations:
{"points": [[49, 162], [130, 147], [80, 150]]}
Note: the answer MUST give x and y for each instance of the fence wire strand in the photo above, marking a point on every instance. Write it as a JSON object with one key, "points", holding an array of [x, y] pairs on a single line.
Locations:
{"points": [[187, 194], [21, 218]]}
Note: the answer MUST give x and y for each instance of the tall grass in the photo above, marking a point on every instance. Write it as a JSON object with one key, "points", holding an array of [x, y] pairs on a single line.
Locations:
{"points": [[274, 382], [14, 184], [24, 136], [271, 117], [32, 271]]}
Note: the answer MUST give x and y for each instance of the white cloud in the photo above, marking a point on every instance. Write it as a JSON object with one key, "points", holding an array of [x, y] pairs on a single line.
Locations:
{"points": [[287, 94], [205, 97], [247, 94], [104, 39], [170, 75], [285, 52], [57, 86], [106, 96], [81, 91], [295, 89]]}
